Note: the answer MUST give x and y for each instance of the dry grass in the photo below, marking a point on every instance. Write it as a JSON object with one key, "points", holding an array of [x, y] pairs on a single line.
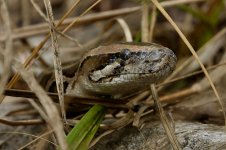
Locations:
{"points": [[57, 60], [68, 47], [8, 51]]}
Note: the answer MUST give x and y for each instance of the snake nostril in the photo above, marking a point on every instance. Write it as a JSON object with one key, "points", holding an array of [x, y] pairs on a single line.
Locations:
{"points": [[155, 55], [112, 59], [150, 70], [122, 63], [142, 55]]}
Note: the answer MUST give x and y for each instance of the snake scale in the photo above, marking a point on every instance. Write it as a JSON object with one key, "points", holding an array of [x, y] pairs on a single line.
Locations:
{"points": [[118, 70]]}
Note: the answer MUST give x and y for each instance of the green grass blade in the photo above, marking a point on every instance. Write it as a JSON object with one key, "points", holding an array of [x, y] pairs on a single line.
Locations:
{"points": [[86, 141], [84, 130]]}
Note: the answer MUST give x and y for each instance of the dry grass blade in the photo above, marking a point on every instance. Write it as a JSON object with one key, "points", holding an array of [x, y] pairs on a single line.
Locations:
{"points": [[136, 120], [189, 75], [125, 27], [166, 15], [178, 71], [112, 103], [216, 75], [42, 28], [22, 133], [169, 130], [22, 122], [176, 2], [57, 60], [25, 8], [97, 139], [38, 108], [37, 8], [8, 135], [39, 11], [53, 115], [144, 22], [8, 52], [207, 52], [85, 12], [153, 22], [34, 53], [122, 122], [38, 138]]}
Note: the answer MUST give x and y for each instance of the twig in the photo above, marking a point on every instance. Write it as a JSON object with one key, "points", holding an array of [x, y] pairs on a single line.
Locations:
{"points": [[169, 130], [112, 103], [56, 58], [22, 122]]}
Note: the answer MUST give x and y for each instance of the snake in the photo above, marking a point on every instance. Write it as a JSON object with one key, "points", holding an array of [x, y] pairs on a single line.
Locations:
{"points": [[119, 70]]}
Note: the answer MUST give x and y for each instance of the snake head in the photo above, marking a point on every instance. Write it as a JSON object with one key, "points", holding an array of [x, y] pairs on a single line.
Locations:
{"points": [[121, 69]]}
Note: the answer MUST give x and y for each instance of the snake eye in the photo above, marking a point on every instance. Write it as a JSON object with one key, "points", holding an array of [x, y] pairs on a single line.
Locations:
{"points": [[125, 54]]}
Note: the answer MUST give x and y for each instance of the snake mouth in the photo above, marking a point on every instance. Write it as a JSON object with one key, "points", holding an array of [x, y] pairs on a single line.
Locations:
{"points": [[141, 66], [143, 78]]}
